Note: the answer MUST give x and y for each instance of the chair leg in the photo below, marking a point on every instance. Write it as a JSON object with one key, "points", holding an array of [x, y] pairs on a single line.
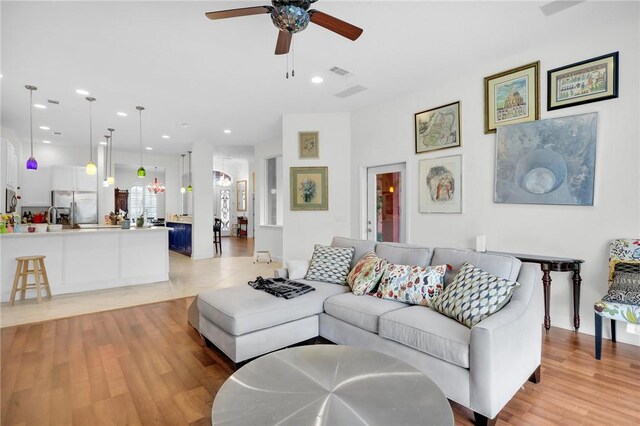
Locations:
{"points": [[613, 330], [484, 420], [25, 270], [16, 279], [598, 324], [36, 275], [45, 277]]}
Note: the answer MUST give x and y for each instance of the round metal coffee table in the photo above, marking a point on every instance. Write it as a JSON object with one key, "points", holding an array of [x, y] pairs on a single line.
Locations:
{"points": [[329, 385]]}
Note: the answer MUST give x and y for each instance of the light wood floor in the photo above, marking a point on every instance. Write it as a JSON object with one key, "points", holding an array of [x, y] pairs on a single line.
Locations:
{"points": [[145, 365]]}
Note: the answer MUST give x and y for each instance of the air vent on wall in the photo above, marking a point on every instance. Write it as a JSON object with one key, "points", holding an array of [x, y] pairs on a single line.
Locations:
{"points": [[351, 91], [56, 133], [53, 101], [339, 71]]}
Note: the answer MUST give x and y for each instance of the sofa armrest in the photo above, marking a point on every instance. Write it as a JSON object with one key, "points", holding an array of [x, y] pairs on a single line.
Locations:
{"points": [[506, 348], [281, 273]]}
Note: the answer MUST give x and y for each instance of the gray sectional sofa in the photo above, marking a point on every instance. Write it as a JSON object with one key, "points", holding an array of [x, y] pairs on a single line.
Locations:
{"points": [[480, 368]]}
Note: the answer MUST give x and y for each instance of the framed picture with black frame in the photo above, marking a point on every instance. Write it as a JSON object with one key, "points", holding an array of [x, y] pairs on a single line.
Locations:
{"points": [[592, 80]]}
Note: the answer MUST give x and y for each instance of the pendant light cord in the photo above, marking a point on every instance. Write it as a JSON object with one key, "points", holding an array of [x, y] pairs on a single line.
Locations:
{"points": [[31, 117], [140, 111], [90, 132]]}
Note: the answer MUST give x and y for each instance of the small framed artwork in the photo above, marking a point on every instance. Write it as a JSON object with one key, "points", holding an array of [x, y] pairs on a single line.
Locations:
{"points": [[592, 80], [440, 185], [309, 188], [512, 97], [437, 128], [308, 144]]}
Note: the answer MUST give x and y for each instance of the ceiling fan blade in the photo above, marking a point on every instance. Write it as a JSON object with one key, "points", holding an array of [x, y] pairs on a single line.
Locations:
{"points": [[336, 25], [283, 43], [244, 11]]}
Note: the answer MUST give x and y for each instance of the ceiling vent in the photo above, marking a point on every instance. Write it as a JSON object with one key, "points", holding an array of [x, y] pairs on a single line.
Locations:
{"points": [[56, 133], [53, 101], [351, 91], [339, 71]]}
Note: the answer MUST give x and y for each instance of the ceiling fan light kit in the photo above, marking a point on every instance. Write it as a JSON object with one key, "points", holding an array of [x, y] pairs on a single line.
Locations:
{"points": [[290, 17]]}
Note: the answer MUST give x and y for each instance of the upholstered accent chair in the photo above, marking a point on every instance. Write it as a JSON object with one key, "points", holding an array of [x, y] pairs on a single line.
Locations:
{"points": [[622, 302]]}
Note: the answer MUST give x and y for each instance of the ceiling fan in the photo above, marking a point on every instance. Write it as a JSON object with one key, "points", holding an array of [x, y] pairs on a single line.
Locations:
{"points": [[290, 17]]}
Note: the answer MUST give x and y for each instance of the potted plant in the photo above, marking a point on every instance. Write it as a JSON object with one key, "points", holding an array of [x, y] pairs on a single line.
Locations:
{"points": [[140, 220]]}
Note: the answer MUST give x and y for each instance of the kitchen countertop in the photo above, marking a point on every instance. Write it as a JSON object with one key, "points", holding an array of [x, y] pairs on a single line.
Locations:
{"points": [[102, 230], [177, 221]]}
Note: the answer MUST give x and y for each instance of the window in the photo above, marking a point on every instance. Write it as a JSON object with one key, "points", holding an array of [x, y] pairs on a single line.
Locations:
{"points": [[273, 191], [141, 200]]}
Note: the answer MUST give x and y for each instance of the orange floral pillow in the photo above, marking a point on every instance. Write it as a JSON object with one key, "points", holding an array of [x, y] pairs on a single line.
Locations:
{"points": [[364, 277]]}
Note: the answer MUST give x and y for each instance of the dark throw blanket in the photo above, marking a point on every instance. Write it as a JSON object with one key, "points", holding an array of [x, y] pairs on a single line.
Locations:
{"points": [[281, 287]]}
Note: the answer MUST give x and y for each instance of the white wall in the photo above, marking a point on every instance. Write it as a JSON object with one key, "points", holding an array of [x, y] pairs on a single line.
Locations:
{"points": [[268, 237], [303, 229], [384, 134], [202, 227]]}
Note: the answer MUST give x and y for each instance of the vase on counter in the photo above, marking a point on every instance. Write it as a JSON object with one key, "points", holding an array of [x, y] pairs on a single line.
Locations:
{"points": [[126, 224], [140, 222]]}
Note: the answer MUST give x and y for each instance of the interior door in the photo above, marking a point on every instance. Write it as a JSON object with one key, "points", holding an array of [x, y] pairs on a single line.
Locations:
{"points": [[386, 212]]}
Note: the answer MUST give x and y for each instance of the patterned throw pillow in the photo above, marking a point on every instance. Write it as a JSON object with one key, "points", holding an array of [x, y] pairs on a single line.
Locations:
{"points": [[626, 281], [330, 264], [412, 284], [623, 296], [364, 277], [474, 295]]}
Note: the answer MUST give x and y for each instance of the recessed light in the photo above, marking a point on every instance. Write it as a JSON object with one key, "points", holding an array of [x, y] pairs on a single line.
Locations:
{"points": [[165, 137], [40, 106], [227, 131], [44, 127], [82, 92], [122, 114], [149, 148], [103, 143], [317, 79], [46, 141]]}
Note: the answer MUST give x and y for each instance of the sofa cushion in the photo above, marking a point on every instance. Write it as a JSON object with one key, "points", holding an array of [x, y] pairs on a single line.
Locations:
{"points": [[500, 265], [428, 331], [404, 254], [474, 295], [364, 277], [361, 247], [412, 284], [330, 264], [361, 311], [242, 309]]}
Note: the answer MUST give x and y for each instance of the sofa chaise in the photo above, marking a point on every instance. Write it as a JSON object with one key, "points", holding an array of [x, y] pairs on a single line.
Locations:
{"points": [[481, 367]]}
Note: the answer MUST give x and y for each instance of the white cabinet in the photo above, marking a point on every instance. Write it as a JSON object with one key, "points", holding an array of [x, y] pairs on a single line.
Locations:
{"points": [[36, 187], [68, 178], [12, 167]]}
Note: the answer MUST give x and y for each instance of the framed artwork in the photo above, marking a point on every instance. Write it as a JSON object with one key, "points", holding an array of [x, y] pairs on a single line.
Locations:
{"points": [[592, 80], [512, 97], [308, 144], [309, 188], [437, 128], [440, 185], [547, 162]]}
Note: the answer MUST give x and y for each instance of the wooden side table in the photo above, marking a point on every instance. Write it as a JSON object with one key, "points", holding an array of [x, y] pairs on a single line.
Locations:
{"points": [[555, 264]]}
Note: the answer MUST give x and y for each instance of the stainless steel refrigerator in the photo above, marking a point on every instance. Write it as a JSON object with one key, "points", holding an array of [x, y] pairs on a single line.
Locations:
{"points": [[81, 206]]}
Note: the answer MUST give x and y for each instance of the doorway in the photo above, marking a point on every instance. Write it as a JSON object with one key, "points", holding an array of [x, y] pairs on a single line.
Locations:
{"points": [[386, 215]]}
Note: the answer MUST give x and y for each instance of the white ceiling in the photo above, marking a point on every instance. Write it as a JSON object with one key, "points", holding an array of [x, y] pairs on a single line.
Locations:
{"points": [[223, 74]]}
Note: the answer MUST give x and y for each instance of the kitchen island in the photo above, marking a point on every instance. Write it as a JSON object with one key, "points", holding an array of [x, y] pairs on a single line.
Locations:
{"points": [[89, 259]]}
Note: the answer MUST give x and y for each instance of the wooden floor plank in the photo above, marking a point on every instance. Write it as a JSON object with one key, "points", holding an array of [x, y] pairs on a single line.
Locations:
{"points": [[145, 365]]}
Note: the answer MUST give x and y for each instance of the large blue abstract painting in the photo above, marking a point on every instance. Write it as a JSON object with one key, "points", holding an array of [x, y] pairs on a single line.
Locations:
{"points": [[547, 161]]}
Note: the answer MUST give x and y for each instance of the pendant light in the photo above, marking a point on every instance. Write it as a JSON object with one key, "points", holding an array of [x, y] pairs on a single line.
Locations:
{"points": [[155, 187], [182, 188], [189, 188], [224, 177], [91, 167], [110, 179], [105, 181], [32, 164], [142, 173]]}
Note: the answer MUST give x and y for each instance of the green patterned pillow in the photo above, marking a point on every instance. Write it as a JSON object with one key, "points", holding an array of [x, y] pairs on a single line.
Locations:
{"points": [[474, 295]]}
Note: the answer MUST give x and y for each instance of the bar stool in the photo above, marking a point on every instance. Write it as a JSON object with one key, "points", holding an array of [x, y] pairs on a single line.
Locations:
{"points": [[22, 271], [217, 234]]}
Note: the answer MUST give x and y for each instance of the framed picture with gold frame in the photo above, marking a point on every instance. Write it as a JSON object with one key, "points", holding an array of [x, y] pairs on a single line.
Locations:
{"points": [[512, 97], [309, 145], [309, 188]]}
